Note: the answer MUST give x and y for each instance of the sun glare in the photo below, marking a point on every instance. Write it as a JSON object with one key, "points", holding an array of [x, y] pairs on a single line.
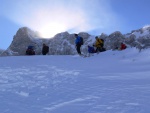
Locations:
{"points": [[51, 29], [50, 19]]}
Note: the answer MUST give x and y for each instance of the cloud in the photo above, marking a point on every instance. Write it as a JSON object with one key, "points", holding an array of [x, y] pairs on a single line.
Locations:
{"points": [[54, 16]]}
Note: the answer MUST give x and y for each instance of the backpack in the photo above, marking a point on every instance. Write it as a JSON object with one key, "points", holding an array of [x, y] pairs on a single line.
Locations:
{"points": [[47, 49], [81, 40], [30, 50], [102, 44], [102, 40], [30, 47]]}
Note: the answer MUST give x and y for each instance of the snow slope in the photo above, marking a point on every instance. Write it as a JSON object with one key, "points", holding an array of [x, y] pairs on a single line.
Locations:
{"points": [[109, 82]]}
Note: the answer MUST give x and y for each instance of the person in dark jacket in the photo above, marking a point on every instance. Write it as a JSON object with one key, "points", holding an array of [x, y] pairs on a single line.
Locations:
{"points": [[30, 50], [78, 43], [45, 49]]}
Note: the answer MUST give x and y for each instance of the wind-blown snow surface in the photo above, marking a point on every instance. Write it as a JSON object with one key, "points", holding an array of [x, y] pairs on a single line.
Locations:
{"points": [[110, 82]]}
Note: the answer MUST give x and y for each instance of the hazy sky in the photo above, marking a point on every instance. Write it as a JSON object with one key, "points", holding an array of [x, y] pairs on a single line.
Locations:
{"points": [[50, 17]]}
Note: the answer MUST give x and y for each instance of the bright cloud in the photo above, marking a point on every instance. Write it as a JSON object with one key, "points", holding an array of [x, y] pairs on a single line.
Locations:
{"points": [[50, 17]]}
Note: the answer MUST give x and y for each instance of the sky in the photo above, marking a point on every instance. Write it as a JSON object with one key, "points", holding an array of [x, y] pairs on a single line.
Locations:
{"points": [[50, 17], [49, 84]]}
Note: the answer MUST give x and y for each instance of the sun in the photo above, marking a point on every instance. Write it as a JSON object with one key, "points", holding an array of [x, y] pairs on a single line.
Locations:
{"points": [[51, 29]]}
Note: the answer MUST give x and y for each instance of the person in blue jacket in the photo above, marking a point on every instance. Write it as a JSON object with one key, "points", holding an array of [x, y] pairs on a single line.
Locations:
{"points": [[78, 43], [91, 49]]}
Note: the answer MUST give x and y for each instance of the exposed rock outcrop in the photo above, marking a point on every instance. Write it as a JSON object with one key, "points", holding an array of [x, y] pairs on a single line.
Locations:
{"points": [[63, 43]]}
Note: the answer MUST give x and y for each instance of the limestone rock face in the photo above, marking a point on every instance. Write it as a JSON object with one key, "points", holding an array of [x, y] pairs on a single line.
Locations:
{"points": [[1, 51], [64, 43], [139, 38], [23, 38], [61, 44], [114, 40]]}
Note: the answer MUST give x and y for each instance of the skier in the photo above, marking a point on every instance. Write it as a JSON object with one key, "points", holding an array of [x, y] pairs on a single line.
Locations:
{"points": [[78, 42], [98, 44], [45, 49], [123, 46]]}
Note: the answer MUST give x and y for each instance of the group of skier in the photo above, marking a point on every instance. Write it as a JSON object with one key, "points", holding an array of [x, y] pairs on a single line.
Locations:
{"points": [[30, 50], [97, 47]]}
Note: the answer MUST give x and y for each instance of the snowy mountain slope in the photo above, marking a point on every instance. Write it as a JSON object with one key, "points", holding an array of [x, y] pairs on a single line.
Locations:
{"points": [[139, 38], [145, 31], [110, 82]]}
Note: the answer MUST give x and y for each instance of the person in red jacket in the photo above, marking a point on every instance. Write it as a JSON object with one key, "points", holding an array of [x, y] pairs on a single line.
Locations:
{"points": [[123, 46]]}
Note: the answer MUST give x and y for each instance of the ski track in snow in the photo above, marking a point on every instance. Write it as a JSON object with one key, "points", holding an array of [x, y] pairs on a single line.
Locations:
{"points": [[24, 80], [34, 77], [53, 88]]}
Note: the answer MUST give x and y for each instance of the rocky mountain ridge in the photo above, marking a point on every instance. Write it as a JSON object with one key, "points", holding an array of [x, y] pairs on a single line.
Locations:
{"points": [[63, 43]]}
